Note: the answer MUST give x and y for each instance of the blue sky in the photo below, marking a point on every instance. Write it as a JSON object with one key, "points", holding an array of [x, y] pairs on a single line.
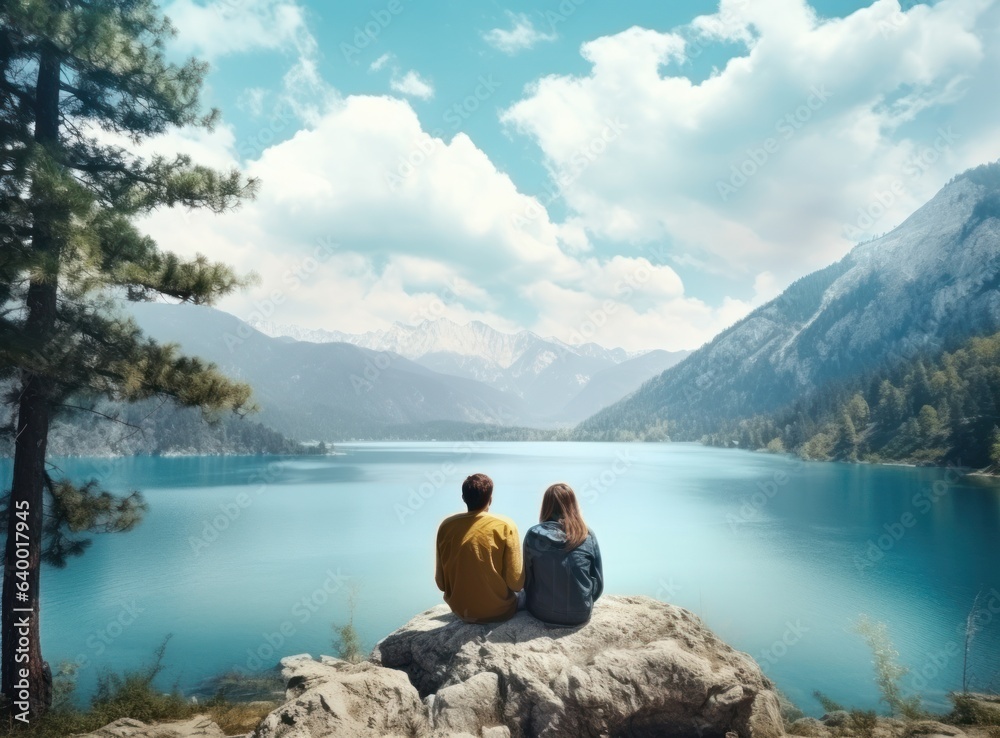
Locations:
{"points": [[640, 174]]}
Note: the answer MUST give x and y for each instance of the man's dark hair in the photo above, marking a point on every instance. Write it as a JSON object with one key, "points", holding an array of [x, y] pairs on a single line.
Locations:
{"points": [[476, 491]]}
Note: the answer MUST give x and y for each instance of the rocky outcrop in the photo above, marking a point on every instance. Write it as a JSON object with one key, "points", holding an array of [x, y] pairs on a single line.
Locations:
{"points": [[931, 729], [638, 668], [199, 726], [331, 697]]}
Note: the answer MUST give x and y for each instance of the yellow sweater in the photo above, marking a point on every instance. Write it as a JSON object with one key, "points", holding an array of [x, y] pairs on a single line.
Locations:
{"points": [[479, 566]]}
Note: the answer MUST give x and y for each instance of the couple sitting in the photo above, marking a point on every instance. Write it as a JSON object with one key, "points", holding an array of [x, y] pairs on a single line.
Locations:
{"points": [[481, 570]]}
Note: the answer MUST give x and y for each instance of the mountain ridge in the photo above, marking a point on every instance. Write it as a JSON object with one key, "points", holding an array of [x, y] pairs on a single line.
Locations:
{"points": [[336, 391], [430, 336], [930, 282], [546, 374]]}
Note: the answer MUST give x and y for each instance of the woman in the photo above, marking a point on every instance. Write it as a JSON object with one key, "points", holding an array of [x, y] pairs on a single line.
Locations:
{"points": [[562, 563]]}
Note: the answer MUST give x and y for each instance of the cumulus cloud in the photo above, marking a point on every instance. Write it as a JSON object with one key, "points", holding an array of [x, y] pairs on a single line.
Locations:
{"points": [[769, 164], [364, 219], [521, 36], [412, 84], [408, 83], [756, 174]]}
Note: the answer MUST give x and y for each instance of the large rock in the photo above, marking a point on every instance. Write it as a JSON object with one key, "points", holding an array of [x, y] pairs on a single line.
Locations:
{"points": [[331, 697], [638, 668], [199, 726]]}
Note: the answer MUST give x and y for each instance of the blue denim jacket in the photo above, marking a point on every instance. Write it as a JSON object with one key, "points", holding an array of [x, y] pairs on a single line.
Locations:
{"points": [[561, 586]]}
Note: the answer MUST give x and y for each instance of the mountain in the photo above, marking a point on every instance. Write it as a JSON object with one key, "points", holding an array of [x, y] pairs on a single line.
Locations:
{"points": [[413, 341], [928, 285], [612, 384], [325, 391], [937, 408], [154, 428], [546, 374]]}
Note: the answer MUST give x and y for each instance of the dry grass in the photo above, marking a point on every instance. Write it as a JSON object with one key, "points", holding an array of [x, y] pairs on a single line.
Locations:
{"points": [[238, 718]]}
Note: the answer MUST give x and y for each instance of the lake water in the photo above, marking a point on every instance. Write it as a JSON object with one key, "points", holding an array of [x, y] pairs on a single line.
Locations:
{"points": [[247, 559]]}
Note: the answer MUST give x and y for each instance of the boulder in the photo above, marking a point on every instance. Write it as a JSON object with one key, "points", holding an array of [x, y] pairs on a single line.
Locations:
{"points": [[199, 726], [837, 719], [331, 697], [639, 668], [808, 727]]}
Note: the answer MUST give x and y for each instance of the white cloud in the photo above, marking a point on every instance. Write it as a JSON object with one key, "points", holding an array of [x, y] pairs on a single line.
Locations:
{"points": [[823, 115], [221, 28], [364, 219], [252, 100], [412, 84], [380, 62], [522, 35]]}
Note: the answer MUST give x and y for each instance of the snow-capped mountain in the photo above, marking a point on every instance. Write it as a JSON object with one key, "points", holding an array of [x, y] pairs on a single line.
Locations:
{"points": [[331, 390], [475, 339], [336, 390], [929, 284], [545, 372]]}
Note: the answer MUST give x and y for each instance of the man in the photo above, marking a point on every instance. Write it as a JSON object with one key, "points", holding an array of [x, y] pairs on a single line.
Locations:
{"points": [[479, 558]]}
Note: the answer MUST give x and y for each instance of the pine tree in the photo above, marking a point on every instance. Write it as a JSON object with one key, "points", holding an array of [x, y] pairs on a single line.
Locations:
{"points": [[930, 425], [891, 406], [75, 76], [857, 408], [848, 436], [995, 446]]}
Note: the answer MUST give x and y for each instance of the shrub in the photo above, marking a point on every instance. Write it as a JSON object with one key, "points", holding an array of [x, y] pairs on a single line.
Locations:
{"points": [[130, 694], [827, 704], [133, 695], [888, 672], [971, 709], [346, 642], [864, 722]]}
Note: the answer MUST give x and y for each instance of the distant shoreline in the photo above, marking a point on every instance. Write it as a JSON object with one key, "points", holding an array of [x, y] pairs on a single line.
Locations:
{"points": [[987, 473]]}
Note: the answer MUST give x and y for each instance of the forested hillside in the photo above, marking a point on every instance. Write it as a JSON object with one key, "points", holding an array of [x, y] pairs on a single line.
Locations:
{"points": [[940, 409], [926, 287], [157, 428]]}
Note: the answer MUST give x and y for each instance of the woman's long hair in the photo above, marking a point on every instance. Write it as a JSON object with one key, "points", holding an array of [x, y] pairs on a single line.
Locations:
{"points": [[559, 503]]}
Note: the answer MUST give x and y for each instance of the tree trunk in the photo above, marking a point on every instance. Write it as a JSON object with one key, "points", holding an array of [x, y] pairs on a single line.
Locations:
{"points": [[26, 680]]}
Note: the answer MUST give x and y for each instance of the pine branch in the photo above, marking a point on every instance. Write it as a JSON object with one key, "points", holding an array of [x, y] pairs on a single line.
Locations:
{"points": [[96, 412]]}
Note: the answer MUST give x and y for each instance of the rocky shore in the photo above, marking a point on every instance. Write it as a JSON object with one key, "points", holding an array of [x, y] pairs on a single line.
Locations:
{"points": [[638, 668]]}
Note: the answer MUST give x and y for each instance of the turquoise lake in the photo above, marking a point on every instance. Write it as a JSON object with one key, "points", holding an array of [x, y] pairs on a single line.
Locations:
{"points": [[247, 559]]}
